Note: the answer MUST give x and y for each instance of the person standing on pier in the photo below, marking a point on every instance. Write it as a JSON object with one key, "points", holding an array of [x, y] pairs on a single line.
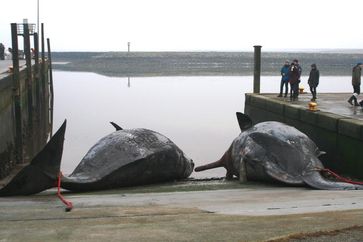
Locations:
{"points": [[313, 80], [294, 79], [356, 76], [284, 78], [2, 51]]}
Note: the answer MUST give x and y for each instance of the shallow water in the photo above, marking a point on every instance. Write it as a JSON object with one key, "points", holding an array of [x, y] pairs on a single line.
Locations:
{"points": [[197, 113]]}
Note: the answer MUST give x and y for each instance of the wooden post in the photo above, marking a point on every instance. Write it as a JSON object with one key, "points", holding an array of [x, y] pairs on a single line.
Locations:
{"points": [[42, 66], [257, 69], [51, 86], [36, 71], [16, 96], [29, 81]]}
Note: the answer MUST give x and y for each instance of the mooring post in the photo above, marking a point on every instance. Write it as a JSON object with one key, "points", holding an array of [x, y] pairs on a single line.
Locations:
{"points": [[51, 86], [16, 95], [36, 71], [42, 66], [50, 67], [257, 69], [29, 81]]}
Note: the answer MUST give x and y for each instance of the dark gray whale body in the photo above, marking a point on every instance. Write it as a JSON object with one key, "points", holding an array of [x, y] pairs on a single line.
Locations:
{"points": [[122, 158], [128, 158], [274, 151]]}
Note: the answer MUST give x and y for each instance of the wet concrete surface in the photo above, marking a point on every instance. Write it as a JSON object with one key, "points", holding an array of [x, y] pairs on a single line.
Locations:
{"points": [[212, 211], [6, 64], [328, 102]]}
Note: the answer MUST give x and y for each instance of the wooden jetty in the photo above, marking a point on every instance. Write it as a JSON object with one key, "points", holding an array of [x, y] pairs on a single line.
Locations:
{"points": [[25, 97]]}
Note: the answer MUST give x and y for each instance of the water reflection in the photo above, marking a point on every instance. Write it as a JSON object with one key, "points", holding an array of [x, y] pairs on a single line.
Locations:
{"points": [[197, 113]]}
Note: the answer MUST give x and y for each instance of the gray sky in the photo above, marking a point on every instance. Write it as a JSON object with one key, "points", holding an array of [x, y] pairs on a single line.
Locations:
{"points": [[190, 25]]}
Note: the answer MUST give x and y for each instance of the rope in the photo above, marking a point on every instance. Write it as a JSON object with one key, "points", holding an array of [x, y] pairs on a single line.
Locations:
{"points": [[60, 196], [340, 178]]}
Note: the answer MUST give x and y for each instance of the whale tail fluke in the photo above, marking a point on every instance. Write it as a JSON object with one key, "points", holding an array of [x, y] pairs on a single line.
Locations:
{"points": [[41, 173]]}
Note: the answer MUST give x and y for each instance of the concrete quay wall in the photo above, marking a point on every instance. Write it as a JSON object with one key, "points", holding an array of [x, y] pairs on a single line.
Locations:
{"points": [[7, 127], [339, 136], [34, 124]]}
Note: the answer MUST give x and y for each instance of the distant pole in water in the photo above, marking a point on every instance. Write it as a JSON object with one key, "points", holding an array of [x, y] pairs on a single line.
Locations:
{"points": [[128, 46], [257, 69]]}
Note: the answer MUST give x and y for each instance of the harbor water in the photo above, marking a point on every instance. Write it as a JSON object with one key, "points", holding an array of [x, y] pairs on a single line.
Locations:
{"points": [[196, 112]]}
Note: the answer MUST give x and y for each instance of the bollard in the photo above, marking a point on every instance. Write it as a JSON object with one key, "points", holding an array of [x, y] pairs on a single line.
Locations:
{"points": [[257, 69]]}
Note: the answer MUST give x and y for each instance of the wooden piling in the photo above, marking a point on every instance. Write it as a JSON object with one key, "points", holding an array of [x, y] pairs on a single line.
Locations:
{"points": [[29, 78], [257, 69], [42, 66], [16, 96], [51, 85], [36, 72]]}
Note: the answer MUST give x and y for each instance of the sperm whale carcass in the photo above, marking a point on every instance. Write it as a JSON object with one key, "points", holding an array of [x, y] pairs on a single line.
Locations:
{"points": [[274, 151], [129, 157], [123, 158]]}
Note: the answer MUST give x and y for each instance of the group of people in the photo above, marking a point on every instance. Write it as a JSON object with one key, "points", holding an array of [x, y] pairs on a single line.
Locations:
{"points": [[291, 73], [5, 55]]}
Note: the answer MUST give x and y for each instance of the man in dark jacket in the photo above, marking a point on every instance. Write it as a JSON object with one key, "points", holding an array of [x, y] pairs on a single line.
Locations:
{"points": [[356, 76], [313, 80], [2, 51], [294, 79], [284, 78]]}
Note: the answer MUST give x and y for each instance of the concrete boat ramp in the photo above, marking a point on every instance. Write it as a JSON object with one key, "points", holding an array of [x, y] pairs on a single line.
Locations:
{"points": [[187, 211]]}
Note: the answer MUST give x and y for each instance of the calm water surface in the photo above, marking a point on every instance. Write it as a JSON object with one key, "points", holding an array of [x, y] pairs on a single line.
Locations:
{"points": [[196, 113]]}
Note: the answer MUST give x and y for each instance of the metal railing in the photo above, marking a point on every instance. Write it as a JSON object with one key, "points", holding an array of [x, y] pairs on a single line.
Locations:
{"points": [[20, 28]]}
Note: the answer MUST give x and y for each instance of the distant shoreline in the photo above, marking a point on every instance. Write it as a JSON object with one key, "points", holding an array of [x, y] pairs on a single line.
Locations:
{"points": [[125, 64]]}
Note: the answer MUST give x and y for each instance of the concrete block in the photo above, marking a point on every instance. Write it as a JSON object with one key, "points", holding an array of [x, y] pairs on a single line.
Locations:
{"points": [[258, 101], [292, 122], [275, 106], [308, 116], [351, 152], [350, 127], [247, 98], [328, 121], [292, 111]]}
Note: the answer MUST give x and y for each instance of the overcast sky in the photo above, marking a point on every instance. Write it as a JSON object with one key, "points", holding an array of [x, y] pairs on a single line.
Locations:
{"points": [[190, 25]]}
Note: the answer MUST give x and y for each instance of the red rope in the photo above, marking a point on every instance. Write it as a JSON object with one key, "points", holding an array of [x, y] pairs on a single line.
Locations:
{"points": [[340, 178], [60, 196]]}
